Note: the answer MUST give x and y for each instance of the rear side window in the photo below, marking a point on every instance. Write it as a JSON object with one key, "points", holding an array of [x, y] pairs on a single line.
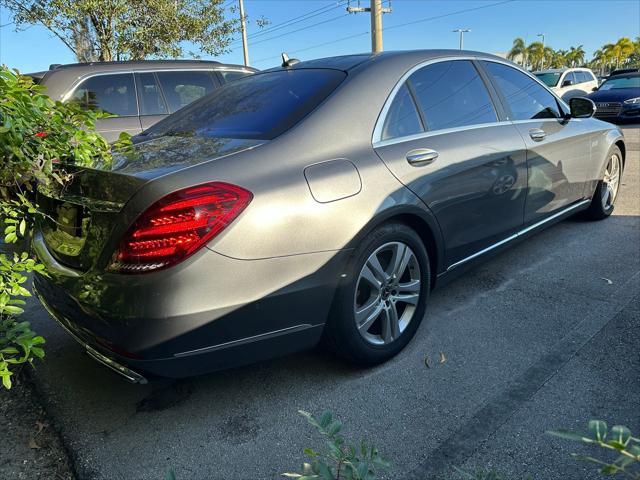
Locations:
{"points": [[231, 75], [402, 118], [584, 77], [115, 94], [260, 106], [183, 87], [525, 97], [149, 95], [452, 94]]}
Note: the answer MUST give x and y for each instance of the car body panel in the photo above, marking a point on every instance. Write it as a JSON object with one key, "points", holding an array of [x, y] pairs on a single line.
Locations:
{"points": [[270, 277]]}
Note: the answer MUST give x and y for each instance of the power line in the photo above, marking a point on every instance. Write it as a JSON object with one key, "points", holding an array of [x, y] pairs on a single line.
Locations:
{"points": [[436, 17], [300, 18], [332, 19], [413, 22]]}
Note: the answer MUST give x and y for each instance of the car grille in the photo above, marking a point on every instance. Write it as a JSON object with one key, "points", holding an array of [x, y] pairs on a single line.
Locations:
{"points": [[610, 109]]}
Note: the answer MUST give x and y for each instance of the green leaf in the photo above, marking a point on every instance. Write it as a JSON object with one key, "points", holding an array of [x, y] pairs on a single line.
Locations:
{"points": [[598, 429], [325, 419], [620, 434], [565, 434]]}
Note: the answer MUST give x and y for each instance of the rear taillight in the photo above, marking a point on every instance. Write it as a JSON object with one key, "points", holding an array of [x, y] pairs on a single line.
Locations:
{"points": [[177, 226]]}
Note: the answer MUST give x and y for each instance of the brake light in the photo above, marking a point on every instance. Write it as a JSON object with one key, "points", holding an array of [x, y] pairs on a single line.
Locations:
{"points": [[177, 226]]}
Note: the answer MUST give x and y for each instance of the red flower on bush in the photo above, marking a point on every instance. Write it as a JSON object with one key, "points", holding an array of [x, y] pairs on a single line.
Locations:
{"points": [[41, 134]]}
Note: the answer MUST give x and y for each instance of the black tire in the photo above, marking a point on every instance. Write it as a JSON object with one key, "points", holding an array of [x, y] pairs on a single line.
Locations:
{"points": [[597, 210], [341, 333]]}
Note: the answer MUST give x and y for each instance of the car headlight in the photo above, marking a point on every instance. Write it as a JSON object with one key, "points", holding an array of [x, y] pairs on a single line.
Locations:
{"points": [[632, 101]]}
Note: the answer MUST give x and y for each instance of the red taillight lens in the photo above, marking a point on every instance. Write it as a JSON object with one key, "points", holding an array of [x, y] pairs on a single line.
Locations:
{"points": [[177, 226]]}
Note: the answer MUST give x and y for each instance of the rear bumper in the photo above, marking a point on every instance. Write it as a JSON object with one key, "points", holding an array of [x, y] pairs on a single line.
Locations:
{"points": [[212, 312]]}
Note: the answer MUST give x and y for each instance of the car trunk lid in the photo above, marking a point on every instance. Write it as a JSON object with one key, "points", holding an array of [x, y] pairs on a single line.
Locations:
{"points": [[78, 220]]}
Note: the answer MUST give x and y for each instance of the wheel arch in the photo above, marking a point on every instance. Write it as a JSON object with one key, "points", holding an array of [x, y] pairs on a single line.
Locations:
{"points": [[423, 222]]}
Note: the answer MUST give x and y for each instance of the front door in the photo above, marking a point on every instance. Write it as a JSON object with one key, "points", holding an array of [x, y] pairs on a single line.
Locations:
{"points": [[558, 149], [443, 139]]}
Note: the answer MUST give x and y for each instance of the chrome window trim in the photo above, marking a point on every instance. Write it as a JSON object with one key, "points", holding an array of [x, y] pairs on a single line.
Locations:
{"points": [[432, 133], [524, 231], [376, 139]]}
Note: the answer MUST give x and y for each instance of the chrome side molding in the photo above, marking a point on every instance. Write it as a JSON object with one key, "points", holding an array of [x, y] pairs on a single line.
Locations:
{"points": [[520, 233]]}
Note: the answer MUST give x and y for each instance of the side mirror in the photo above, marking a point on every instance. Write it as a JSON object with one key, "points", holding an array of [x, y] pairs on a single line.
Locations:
{"points": [[594, 89], [567, 83], [582, 107]]}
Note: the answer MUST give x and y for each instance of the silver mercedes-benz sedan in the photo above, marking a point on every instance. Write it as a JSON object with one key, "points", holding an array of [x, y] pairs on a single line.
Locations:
{"points": [[322, 200]]}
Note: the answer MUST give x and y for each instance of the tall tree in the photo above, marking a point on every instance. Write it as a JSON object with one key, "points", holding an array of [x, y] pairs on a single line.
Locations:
{"points": [[575, 56], [518, 51], [619, 51], [129, 29], [535, 55]]}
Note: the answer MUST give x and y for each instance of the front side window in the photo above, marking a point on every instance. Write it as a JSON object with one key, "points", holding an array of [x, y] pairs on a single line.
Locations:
{"points": [[260, 106], [403, 118], [115, 94], [571, 78], [452, 94], [183, 87], [526, 98]]}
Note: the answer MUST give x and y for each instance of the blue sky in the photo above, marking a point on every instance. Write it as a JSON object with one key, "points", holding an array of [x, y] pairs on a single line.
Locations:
{"points": [[493, 27]]}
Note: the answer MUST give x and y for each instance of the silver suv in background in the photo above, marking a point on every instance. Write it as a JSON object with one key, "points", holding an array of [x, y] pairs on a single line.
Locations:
{"points": [[137, 93]]}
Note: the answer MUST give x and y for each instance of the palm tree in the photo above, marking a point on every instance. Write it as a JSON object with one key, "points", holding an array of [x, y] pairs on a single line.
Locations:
{"points": [[619, 51], [535, 55], [634, 59], [548, 54], [559, 59], [518, 51], [575, 56]]}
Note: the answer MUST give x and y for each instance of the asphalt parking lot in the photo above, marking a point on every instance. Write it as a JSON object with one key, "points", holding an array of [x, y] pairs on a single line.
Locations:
{"points": [[544, 336]]}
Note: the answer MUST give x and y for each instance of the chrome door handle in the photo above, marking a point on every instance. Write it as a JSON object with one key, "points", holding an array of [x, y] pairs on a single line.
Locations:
{"points": [[537, 134], [421, 156]]}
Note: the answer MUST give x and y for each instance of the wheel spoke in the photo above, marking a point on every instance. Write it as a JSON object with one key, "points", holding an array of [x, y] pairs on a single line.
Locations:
{"points": [[366, 315], [401, 257], [390, 327], [376, 268], [411, 287], [368, 275], [410, 298]]}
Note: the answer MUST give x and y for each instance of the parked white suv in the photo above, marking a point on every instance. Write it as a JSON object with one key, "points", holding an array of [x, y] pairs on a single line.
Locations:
{"points": [[569, 82]]}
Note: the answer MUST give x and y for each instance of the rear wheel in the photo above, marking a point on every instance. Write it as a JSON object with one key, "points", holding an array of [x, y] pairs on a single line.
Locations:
{"points": [[604, 197], [381, 303]]}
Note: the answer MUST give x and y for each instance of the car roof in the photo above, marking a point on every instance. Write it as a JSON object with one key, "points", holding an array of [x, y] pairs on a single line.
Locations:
{"points": [[361, 60], [561, 70], [59, 78]]}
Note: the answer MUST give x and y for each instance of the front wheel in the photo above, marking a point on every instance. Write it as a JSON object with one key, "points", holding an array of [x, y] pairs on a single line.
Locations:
{"points": [[604, 197], [382, 301]]}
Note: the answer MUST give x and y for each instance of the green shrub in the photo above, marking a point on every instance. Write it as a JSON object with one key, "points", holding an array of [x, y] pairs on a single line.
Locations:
{"points": [[618, 440], [341, 461], [38, 136]]}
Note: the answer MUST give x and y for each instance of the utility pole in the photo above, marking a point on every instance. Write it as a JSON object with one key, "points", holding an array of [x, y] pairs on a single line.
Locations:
{"points": [[461, 31], [376, 11], [243, 24], [542, 60]]}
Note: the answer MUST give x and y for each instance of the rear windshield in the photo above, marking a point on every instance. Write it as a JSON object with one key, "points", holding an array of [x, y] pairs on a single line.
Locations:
{"points": [[260, 106], [550, 79]]}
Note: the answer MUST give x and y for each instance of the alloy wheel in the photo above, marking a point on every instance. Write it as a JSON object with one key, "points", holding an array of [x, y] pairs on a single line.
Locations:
{"points": [[387, 293], [611, 182]]}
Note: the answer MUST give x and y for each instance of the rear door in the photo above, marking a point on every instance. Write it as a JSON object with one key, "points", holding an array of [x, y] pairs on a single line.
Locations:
{"points": [[181, 87], [558, 149], [444, 138], [153, 106], [114, 93]]}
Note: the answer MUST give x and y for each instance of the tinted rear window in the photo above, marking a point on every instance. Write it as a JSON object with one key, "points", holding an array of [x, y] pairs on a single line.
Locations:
{"points": [[258, 106]]}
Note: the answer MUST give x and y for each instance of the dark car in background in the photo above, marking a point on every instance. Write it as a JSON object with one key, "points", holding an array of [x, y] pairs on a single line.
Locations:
{"points": [[137, 93], [618, 99]]}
